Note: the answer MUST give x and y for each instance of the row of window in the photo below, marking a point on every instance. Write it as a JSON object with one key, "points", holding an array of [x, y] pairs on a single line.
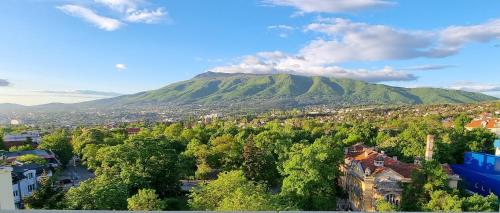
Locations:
{"points": [[31, 187]]}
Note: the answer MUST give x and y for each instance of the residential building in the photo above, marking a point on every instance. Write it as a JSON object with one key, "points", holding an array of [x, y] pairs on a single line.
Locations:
{"points": [[32, 137], [369, 175], [25, 178], [492, 124]]}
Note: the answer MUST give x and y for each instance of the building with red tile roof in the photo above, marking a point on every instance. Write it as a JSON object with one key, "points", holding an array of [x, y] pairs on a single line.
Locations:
{"points": [[369, 175], [492, 124]]}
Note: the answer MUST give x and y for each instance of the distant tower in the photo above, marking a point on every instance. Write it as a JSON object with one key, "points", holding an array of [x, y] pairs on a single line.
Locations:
{"points": [[6, 197], [429, 147], [497, 147]]}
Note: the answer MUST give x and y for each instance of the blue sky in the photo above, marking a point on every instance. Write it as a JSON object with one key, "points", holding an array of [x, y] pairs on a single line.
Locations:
{"points": [[75, 50]]}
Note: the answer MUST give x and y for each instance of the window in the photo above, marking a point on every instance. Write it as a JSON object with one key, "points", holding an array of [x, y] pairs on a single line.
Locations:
{"points": [[392, 198], [29, 188], [16, 193], [30, 175]]}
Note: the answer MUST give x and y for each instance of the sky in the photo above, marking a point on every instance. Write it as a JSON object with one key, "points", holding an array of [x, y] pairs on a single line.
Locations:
{"points": [[77, 50]]}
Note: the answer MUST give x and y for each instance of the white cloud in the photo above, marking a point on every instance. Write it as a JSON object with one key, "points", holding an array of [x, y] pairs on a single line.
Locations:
{"points": [[346, 41], [82, 93], [330, 6], [476, 87], [146, 16], [278, 62], [127, 10], [105, 23], [349, 41], [283, 30], [121, 67]]}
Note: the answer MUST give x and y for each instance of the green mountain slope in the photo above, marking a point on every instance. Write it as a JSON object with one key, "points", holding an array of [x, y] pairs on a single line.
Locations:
{"points": [[285, 90]]}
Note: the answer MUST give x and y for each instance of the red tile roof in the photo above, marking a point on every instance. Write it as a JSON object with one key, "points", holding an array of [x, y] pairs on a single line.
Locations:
{"points": [[357, 152], [489, 123]]}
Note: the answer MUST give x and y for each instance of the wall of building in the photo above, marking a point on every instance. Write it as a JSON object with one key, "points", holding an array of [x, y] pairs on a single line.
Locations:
{"points": [[6, 196]]}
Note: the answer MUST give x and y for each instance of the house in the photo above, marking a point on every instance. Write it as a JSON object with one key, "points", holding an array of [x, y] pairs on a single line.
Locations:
{"points": [[11, 157], [25, 178], [369, 175], [133, 131], [492, 124], [481, 171], [32, 137]]}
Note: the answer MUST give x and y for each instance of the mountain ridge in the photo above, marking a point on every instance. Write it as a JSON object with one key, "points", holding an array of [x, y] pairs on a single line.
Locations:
{"points": [[275, 91]]}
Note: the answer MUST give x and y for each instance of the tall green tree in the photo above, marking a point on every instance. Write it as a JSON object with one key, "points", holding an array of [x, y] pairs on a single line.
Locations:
{"points": [[145, 200], [47, 196], [59, 143], [441, 201], [101, 193], [478, 203], [310, 174], [231, 192]]}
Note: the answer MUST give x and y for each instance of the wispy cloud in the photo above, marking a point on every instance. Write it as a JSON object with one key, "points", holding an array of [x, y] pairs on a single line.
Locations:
{"points": [[121, 67], [105, 23], [330, 6], [146, 16], [122, 10], [427, 67], [475, 87], [84, 93], [283, 30], [4, 83]]}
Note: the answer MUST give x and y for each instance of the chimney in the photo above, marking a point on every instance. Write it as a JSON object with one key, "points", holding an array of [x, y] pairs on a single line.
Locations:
{"points": [[395, 157], [429, 147], [346, 151]]}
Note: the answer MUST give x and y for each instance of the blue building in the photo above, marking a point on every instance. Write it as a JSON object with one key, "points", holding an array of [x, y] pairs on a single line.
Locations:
{"points": [[481, 172]]}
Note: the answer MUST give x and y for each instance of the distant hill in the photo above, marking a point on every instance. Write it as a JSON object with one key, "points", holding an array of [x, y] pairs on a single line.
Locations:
{"points": [[281, 90], [252, 91]]}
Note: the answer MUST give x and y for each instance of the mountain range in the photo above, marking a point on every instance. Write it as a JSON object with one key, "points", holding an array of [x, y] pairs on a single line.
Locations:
{"points": [[212, 89]]}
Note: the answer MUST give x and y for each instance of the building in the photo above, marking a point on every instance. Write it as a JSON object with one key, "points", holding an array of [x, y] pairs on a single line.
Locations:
{"points": [[492, 124], [25, 180], [11, 157], [6, 199], [481, 172], [369, 175], [32, 137]]}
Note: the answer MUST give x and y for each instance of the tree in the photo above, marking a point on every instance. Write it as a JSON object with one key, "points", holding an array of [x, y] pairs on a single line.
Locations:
{"points": [[425, 180], [145, 200], [20, 148], [480, 140], [310, 174], [441, 201], [384, 206], [101, 193], [87, 136], [48, 196], [31, 159], [478, 203], [59, 143], [143, 163], [230, 192], [259, 165]]}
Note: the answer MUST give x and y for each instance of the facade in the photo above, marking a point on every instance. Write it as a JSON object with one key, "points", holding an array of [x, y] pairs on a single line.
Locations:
{"points": [[11, 140], [6, 199], [492, 124], [369, 175], [481, 172], [25, 180]]}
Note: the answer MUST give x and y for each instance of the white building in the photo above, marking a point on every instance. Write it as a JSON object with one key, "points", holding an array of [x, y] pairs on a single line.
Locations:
{"points": [[25, 180]]}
